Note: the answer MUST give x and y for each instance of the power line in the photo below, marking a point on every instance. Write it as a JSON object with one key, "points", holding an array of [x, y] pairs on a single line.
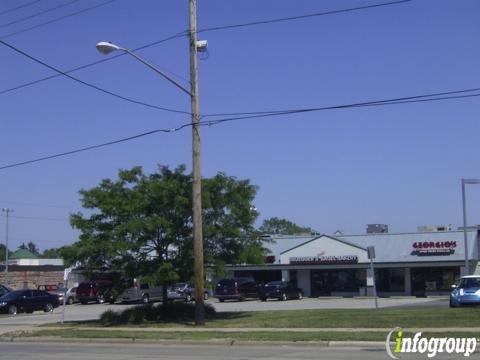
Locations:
{"points": [[19, 7], [337, 107], [394, 101], [38, 13], [290, 18], [376, 102], [181, 34], [96, 146], [91, 85], [56, 19], [105, 59], [37, 218]]}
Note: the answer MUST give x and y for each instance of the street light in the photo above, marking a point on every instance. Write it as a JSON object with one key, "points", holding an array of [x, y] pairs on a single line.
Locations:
{"points": [[464, 201], [7, 211], [195, 46]]}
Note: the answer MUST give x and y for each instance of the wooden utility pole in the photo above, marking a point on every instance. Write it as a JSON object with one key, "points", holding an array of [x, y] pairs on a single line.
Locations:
{"points": [[197, 185]]}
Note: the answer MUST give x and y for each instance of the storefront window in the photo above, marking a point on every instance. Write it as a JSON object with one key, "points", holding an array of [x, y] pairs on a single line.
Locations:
{"points": [[390, 280], [324, 282], [434, 279]]}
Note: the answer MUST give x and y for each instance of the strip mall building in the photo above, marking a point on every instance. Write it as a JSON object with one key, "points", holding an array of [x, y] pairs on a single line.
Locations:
{"points": [[408, 264]]}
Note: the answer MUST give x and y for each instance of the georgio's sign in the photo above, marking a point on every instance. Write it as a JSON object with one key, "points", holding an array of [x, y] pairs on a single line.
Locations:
{"points": [[434, 248], [309, 260]]}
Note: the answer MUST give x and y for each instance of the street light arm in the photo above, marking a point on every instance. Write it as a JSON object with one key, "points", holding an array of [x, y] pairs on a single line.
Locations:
{"points": [[157, 70]]}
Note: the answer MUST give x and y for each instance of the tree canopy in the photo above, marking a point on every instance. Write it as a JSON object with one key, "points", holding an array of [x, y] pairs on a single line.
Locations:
{"points": [[276, 225], [31, 246], [142, 224]]}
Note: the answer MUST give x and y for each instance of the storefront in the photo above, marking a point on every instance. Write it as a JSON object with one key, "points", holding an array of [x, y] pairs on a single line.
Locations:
{"points": [[411, 264]]}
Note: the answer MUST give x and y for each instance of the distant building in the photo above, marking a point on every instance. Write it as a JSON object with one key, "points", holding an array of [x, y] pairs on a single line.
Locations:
{"points": [[27, 270]]}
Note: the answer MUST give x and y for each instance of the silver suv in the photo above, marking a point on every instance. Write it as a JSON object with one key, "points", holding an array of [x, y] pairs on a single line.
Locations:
{"points": [[143, 294]]}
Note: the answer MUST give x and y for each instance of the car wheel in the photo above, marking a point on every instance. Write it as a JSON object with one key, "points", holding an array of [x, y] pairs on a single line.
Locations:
{"points": [[145, 299], [100, 299], [29, 311], [263, 299], [12, 310], [221, 300], [300, 295], [452, 304], [48, 307], [70, 301], [83, 302], [283, 297], [205, 296], [188, 298]]}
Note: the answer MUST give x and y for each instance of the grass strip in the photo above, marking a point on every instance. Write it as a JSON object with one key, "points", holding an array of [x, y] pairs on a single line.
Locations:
{"points": [[318, 318]]}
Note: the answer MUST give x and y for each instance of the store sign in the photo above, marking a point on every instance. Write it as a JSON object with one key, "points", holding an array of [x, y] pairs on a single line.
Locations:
{"points": [[434, 248], [324, 260]]}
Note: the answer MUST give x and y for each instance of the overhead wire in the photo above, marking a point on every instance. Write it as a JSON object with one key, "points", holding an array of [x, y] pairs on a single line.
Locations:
{"points": [[45, 11], [91, 85], [393, 101], [396, 100], [102, 60], [86, 148], [186, 32], [19, 7], [56, 19], [290, 18]]}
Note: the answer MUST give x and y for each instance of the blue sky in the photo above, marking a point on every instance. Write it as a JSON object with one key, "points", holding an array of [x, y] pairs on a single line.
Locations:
{"points": [[400, 164]]}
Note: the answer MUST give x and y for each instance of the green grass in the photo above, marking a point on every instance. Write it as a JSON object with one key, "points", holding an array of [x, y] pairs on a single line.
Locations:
{"points": [[282, 336], [366, 318], [345, 318]]}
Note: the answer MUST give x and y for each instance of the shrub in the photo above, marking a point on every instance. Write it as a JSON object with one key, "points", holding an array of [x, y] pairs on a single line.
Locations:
{"points": [[171, 312]]}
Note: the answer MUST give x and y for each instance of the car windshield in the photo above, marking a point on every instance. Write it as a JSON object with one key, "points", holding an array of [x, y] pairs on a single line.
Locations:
{"points": [[274, 283], [179, 285], [227, 282], [12, 295], [472, 283]]}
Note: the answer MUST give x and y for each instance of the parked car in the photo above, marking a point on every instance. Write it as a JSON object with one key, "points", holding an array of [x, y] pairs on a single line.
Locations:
{"points": [[236, 288], [280, 290], [466, 291], [27, 301], [71, 295], [143, 293], [188, 291], [94, 291], [54, 290], [4, 289]]}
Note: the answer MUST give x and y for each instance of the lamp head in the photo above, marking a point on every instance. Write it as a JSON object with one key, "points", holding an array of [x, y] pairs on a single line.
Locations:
{"points": [[106, 47]]}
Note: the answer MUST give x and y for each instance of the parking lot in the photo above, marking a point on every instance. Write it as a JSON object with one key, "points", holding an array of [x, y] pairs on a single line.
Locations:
{"points": [[78, 312]]}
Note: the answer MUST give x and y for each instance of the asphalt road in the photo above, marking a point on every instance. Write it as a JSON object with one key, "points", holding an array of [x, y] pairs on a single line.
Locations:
{"points": [[118, 351], [80, 312]]}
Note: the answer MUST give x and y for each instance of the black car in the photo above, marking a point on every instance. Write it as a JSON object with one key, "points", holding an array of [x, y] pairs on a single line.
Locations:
{"points": [[280, 290], [236, 288], [4, 289], [28, 301]]}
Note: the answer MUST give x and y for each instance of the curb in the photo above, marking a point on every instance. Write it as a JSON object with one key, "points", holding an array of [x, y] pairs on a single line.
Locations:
{"points": [[217, 342]]}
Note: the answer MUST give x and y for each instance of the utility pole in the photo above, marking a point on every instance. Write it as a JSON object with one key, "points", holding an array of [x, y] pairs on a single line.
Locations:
{"points": [[196, 164], [7, 211]]}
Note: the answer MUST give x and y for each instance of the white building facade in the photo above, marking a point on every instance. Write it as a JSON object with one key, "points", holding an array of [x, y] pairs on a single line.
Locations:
{"points": [[407, 264]]}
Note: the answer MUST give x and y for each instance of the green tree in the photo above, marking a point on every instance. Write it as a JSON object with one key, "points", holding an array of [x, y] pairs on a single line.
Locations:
{"points": [[276, 225], [53, 253], [31, 246], [2, 253], [142, 224]]}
